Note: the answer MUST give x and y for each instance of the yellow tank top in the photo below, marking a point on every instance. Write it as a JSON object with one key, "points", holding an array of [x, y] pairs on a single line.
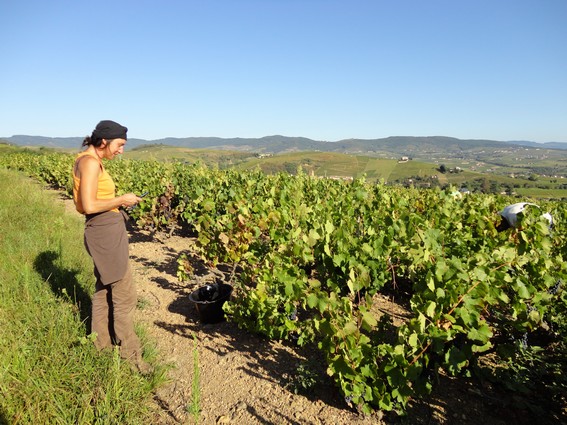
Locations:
{"points": [[105, 189]]}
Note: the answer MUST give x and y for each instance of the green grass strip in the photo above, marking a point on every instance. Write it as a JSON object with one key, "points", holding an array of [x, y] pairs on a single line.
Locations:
{"points": [[50, 371]]}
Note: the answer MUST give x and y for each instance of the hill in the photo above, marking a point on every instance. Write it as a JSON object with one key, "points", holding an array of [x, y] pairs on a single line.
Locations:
{"points": [[474, 175], [522, 160], [55, 142], [386, 147]]}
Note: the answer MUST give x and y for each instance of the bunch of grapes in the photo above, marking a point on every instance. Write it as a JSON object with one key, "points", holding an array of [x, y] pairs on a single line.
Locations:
{"points": [[555, 288]]}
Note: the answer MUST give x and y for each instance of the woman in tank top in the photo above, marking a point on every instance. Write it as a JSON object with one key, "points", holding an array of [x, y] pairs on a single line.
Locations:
{"points": [[106, 241]]}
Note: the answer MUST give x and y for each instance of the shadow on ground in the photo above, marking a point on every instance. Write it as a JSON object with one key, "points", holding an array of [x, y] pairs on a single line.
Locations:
{"points": [[264, 359], [64, 283], [465, 401], [3, 419]]}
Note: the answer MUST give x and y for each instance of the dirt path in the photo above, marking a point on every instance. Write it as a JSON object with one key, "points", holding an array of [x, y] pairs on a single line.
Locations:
{"points": [[242, 376]]}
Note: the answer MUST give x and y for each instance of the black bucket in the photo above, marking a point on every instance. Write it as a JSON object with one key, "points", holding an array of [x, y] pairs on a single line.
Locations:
{"points": [[209, 300]]}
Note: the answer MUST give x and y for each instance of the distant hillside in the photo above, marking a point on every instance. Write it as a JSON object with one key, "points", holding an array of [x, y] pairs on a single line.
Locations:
{"points": [[276, 144], [486, 165], [55, 142], [547, 145]]}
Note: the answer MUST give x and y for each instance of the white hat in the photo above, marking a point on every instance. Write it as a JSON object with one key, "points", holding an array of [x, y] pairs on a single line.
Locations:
{"points": [[510, 213]]}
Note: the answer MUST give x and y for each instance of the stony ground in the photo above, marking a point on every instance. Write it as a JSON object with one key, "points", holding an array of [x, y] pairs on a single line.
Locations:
{"points": [[243, 377]]}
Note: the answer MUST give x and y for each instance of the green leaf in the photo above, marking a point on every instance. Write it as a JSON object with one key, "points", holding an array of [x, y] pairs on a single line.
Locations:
{"points": [[413, 340], [481, 348], [203, 240], [323, 303], [394, 375], [329, 227], [208, 205], [289, 288], [369, 322], [430, 310], [350, 328], [481, 334], [312, 300], [422, 322], [479, 274], [523, 292], [431, 283], [534, 316], [338, 259], [456, 360], [313, 237]]}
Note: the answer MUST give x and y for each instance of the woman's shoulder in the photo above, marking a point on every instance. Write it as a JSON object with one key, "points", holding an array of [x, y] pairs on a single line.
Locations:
{"points": [[87, 161], [87, 156]]}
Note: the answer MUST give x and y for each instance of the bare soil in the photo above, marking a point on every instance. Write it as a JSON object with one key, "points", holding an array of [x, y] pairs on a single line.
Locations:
{"points": [[243, 376]]}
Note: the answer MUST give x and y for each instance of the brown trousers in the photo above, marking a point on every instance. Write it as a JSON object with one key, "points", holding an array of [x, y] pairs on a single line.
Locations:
{"points": [[113, 307], [114, 300]]}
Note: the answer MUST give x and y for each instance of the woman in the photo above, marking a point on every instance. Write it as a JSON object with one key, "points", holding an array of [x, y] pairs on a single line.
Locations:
{"points": [[106, 240]]}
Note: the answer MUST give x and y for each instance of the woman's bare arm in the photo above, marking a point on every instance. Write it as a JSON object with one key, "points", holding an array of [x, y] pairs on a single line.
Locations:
{"points": [[88, 172]]}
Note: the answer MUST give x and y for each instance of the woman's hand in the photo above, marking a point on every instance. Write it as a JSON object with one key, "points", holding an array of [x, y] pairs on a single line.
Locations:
{"points": [[129, 200]]}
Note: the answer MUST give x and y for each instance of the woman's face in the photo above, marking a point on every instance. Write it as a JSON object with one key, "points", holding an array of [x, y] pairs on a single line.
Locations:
{"points": [[113, 147]]}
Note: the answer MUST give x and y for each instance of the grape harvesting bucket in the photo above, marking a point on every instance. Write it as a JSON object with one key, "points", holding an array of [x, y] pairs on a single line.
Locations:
{"points": [[208, 301]]}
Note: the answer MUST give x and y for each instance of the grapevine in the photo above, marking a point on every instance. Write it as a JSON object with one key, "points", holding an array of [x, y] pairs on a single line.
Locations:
{"points": [[312, 254]]}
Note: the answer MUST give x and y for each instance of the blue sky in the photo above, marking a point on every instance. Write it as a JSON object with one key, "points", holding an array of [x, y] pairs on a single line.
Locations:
{"points": [[323, 69]]}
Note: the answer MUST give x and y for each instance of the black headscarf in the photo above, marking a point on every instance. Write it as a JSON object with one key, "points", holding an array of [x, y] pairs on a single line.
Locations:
{"points": [[109, 130]]}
